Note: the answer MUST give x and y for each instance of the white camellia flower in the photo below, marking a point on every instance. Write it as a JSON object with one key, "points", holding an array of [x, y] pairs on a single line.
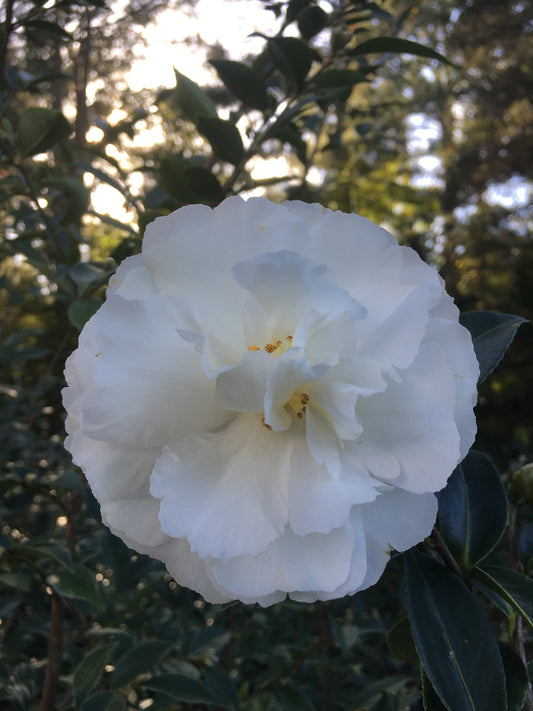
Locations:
{"points": [[269, 399]]}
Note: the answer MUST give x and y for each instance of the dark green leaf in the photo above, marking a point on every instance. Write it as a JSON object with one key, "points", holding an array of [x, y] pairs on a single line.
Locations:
{"points": [[400, 640], [81, 310], [97, 701], [8, 605], [473, 509], [209, 640], [50, 28], [224, 138], [395, 45], [295, 7], [293, 57], [41, 129], [513, 587], [191, 100], [203, 184], [76, 198], [492, 334], [33, 554], [87, 272], [222, 688], [287, 132], [290, 698], [142, 658], [372, 691], [89, 670], [243, 82], [311, 21], [116, 703], [454, 640], [78, 584], [516, 678], [181, 688], [430, 696]]}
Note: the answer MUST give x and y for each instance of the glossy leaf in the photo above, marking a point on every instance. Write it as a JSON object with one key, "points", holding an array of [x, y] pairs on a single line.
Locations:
{"points": [[432, 701], [395, 45], [81, 310], [454, 639], [181, 688], [224, 138], [78, 584], [90, 669], [311, 21], [243, 82], [295, 7], [141, 658], [516, 678], [512, 586], [41, 129], [192, 101], [472, 509], [492, 334], [293, 57]]}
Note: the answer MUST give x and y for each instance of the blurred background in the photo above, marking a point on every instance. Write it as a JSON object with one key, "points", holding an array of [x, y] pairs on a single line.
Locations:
{"points": [[415, 114]]}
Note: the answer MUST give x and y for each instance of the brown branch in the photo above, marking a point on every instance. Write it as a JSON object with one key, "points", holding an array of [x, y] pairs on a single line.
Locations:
{"points": [[55, 654], [8, 27]]}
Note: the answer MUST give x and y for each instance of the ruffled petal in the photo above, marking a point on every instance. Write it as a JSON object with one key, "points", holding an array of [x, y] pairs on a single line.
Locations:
{"points": [[290, 563], [457, 342], [226, 492], [412, 422], [242, 388], [358, 566], [150, 386], [397, 520], [288, 286], [319, 502]]}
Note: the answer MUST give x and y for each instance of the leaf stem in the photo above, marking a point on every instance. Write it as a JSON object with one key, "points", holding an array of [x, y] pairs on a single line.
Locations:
{"points": [[444, 552]]}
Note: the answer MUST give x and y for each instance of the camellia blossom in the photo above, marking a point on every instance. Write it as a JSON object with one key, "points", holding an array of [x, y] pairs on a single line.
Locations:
{"points": [[269, 398]]}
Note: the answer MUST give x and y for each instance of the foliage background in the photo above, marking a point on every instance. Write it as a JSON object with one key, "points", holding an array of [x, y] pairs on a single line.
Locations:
{"points": [[337, 92]]}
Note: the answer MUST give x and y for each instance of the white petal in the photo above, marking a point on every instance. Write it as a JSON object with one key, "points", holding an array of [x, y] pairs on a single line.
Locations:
{"points": [[119, 478], [335, 400], [396, 520], [243, 387], [227, 492], [288, 286], [322, 441], [413, 422], [317, 501], [152, 388], [395, 342], [457, 342], [358, 567], [291, 563]]}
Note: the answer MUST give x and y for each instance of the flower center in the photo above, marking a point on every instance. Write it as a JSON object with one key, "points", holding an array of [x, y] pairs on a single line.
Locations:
{"points": [[298, 403], [275, 348]]}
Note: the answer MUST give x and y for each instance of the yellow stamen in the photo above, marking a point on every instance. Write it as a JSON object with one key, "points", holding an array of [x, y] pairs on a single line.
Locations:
{"points": [[254, 348]]}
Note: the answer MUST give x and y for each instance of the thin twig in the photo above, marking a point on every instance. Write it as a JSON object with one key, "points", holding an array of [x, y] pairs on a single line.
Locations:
{"points": [[444, 551]]}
